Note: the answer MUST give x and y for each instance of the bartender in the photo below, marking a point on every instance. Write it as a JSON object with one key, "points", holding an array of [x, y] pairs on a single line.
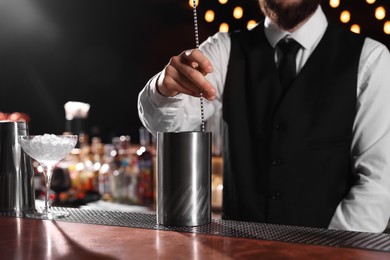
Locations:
{"points": [[305, 113]]}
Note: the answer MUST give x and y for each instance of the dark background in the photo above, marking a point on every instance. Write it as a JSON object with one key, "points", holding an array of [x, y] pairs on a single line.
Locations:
{"points": [[102, 52]]}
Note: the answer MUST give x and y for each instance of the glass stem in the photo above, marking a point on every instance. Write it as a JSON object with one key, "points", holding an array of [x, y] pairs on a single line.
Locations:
{"points": [[47, 172]]}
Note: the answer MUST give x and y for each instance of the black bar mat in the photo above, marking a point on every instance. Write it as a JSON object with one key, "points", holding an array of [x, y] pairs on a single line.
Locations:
{"points": [[228, 228]]}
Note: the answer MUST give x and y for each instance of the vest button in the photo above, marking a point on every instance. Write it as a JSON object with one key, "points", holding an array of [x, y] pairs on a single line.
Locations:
{"points": [[275, 195], [276, 162]]}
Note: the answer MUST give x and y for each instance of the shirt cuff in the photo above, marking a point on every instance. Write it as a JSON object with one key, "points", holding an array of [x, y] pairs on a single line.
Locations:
{"points": [[160, 100]]}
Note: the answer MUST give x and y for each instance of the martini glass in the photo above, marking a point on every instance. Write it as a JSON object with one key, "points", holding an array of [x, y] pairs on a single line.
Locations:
{"points": [[48, 150]]}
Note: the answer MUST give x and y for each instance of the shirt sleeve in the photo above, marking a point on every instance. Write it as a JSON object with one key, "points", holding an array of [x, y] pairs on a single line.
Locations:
{"points": [[367, 206], [182, 112]]}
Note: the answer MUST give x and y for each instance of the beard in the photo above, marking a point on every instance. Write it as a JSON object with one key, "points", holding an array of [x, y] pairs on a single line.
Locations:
{"points": [[288, 16]]}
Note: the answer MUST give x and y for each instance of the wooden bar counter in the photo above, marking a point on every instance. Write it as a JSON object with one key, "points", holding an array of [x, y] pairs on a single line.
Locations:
{"points": [[24, 238]]}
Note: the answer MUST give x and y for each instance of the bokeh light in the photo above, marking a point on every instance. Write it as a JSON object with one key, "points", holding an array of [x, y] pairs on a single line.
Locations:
{"points": [[251, 24], [334, 3], [191, 3], [209, 16], [224, 27], [380, 13], [345, 16], [238, 12], [355, 28], [386, 27]]}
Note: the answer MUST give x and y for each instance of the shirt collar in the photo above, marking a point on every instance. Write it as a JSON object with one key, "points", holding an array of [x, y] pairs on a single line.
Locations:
{"points": [[307, 35]]}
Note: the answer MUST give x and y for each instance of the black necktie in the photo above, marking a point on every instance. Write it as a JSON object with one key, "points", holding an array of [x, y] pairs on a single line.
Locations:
{"points": [[287, 67]]}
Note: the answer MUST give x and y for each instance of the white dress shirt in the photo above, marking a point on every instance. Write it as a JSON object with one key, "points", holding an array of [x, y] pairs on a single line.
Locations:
{"points": [[367, 206]]}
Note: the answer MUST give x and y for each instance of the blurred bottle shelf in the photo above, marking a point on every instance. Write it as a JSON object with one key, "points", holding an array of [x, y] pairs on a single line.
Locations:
{"points": [[113, 175]]}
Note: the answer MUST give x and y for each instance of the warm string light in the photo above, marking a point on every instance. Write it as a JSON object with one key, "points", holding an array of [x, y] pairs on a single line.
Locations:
{"points": [[238, 12], [380, 13], [334, 3], [386, 27], [355, 28], [345, 15], [251, 24], [209, 16], [224, 27], [191, 3]]}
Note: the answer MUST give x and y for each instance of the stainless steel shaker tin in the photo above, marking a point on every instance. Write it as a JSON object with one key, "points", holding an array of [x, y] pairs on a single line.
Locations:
{"points": [[17, 196], [183, 178]]}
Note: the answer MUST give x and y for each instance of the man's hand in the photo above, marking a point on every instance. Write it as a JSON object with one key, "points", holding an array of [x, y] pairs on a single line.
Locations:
{"points": [[186, 74]]}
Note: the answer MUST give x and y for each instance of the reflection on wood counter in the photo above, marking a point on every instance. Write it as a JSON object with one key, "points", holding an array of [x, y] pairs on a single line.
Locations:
{"points": [[142, 239]]}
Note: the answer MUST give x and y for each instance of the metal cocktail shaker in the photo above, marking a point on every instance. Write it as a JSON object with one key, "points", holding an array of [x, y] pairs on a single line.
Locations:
{"points": [[17, 196], [183, 178]]}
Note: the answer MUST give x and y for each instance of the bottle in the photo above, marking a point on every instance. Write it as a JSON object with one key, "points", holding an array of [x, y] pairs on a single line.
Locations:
{"points": [[119, 179], [105, 173], [97, 150], [145, 178]]}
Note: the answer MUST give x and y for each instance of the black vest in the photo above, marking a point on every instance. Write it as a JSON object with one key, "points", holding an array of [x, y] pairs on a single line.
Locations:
{"points": [[287, 154]]}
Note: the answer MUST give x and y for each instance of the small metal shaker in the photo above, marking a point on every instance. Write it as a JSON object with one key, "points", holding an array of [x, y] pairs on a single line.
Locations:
{"points": [[17, 197], [183, 178]]}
